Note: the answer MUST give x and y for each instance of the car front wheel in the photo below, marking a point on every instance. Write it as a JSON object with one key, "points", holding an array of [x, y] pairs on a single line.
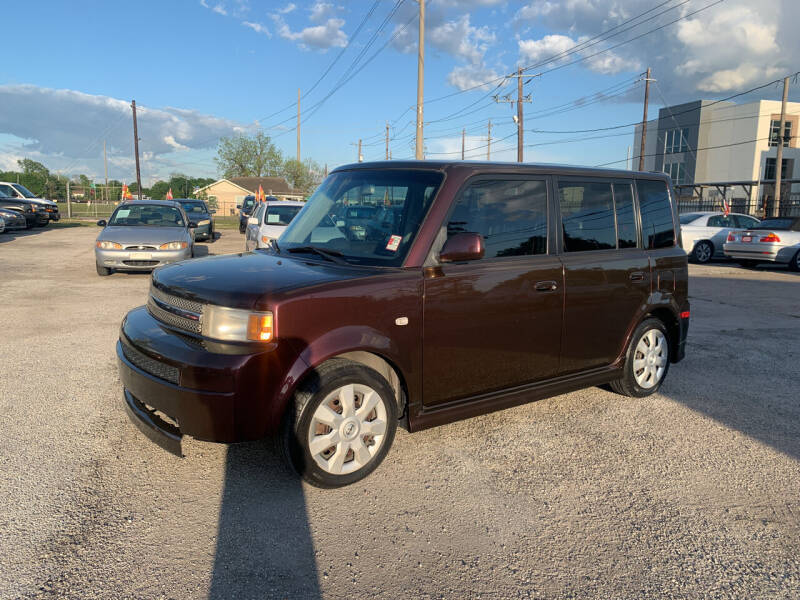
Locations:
{"points": [[794, 264], [102, 271], [341, 424], [702, 253], [646, 360]]}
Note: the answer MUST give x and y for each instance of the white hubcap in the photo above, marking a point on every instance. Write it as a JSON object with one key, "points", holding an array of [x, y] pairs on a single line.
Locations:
{"points": [[650, 359], [347, 429]]}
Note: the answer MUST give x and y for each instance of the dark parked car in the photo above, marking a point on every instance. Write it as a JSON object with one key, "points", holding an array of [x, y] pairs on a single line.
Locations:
{"points": [[34, 215], [246, 209], [198, 211], [19, 191], [531, 281], [14, 219]]}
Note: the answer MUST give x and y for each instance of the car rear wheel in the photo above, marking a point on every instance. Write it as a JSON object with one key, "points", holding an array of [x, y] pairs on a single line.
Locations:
{"points": [[794, 264], [102, 271], [646, 361], [341, 424], [702, 252]]}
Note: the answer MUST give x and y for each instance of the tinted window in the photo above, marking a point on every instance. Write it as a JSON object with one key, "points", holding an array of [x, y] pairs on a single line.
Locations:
{"points": [[745, 221], [281, 215], [146, 215], [626, 218], [721, 221], [194, 207], [658, 230], [587, 216], [7, 190], [784, 224], [688, 218], [510, 215], [248, 202]]}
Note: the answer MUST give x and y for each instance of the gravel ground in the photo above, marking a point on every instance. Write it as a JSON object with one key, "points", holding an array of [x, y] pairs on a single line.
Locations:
{"points": [[694, 492]]}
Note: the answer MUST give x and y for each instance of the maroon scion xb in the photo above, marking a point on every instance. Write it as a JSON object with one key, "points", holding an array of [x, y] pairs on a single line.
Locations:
{"points": [[412, 293]]}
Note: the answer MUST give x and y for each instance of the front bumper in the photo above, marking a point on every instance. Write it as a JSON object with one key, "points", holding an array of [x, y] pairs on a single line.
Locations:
{"points": [[202, 232], [211, 391], [761, 252], [135, 260]]}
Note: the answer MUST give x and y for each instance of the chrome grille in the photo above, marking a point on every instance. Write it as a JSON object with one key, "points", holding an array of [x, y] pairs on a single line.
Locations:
{"points": [[172, 319], [150, 365], [135, 247], [182, 303]]}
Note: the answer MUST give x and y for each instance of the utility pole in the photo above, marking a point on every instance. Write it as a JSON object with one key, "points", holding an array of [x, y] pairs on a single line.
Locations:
{"points": [[298, 124], [518, 118], [105, 164], [69, 202], [489, 142], [360, 157], [387, 140], [779, 160], [644, 118], [420, 80], [463, 132], [136, 149]]}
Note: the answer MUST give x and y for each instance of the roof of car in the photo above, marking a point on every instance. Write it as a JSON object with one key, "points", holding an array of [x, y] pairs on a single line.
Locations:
{"points": [[284, 203], [703, 213], [492, 166], [153, 202]]}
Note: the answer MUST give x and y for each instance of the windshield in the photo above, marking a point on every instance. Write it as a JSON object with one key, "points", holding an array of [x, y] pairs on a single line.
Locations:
{"points": [[194, 207], [688, 218], [280, 215], [248, 202], [784, 224], [146, 215], [370, 217], [24, 191]]}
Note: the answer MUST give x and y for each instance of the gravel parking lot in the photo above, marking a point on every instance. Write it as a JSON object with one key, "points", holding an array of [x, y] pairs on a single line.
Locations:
{"points": [[694, 492]]}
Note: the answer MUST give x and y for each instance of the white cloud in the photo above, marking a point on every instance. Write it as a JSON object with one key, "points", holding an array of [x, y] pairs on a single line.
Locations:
{"points": [[550, 45], [469, 76], [461, 39], [320, 11], [556, 48], [220, 10], [257, 27], [287, 9], [328, 35]]}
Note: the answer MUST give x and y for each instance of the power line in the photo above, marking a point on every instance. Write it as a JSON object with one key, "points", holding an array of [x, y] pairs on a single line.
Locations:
{"points": [[613, 162]]}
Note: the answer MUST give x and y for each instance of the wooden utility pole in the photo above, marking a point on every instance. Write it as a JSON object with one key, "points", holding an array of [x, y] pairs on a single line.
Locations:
{"points": [[489, 142], [105, 164], [360, 157], [644, 119], [387, 140], [420, 81], [779, 159], [463, 133], [136, 150], [298, 124], [69, 202], [518, 118]]}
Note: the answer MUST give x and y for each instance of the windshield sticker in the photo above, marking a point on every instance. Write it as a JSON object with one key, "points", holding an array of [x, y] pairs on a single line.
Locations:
{"points": [[123, 212], [273, 218], [394, 243]]}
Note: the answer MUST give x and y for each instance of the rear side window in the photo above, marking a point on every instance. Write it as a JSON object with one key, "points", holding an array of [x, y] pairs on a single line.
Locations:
{"points": [[658, 230], [510, 215], [281, 215], [746, 222], [626, 218], [587, 216], [722, 221], [685, 219]]}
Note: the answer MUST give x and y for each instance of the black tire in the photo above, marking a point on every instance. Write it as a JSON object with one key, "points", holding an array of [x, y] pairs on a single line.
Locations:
{"points": [[211, 238], [102, 271], [42, 224], [794, 264], [627, 385], [702, 252], [300, 414]]}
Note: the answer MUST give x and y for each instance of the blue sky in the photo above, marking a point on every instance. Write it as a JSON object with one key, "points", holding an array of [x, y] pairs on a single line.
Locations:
{"points": [[200, 69]]}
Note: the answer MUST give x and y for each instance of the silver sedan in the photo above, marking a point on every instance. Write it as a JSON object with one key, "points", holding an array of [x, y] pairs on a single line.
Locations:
{"points": [[140, 236], [775, 240]]}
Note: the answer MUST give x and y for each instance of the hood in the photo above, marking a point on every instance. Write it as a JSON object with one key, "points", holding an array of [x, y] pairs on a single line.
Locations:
{"points": [[151, 236], [247, 280]]}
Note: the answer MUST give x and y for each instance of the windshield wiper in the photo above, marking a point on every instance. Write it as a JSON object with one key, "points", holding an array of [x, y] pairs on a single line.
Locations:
{"points": [[331, 255]]}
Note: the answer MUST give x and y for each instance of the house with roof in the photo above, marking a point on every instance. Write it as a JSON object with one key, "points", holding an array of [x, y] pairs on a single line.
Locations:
{"points": [[229, 193]]}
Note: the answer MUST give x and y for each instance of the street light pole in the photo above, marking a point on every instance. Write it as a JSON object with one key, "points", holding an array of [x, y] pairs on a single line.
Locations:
{"points": [[420, 81]]}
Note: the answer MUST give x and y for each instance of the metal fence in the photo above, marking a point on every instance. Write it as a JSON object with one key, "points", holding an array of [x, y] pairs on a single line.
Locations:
{"points": [[86, 210], [756, 198]]}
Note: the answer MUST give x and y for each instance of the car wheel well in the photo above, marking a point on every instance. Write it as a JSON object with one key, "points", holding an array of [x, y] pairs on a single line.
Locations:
{"points": [[709, 242], [386, 369], [670, 321]]}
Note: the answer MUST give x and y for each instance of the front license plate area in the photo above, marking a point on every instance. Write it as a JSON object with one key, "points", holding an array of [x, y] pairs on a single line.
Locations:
{"points": [[141, 255]]}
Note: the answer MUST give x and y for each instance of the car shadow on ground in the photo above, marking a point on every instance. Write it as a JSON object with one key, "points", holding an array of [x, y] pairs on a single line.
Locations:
{"points": [[264, 544], [201, 250]]}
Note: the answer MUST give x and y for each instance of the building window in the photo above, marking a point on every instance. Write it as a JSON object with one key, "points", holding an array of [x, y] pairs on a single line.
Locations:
{"points": [[677, 140], [676, 170], [769, 168], [775, 133]]}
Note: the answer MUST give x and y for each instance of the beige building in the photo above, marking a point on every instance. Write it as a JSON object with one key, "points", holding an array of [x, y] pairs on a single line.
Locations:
{"points": [[229, 193]]}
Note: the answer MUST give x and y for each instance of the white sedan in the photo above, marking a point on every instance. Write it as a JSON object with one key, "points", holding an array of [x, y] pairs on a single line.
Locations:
{"points": [[268, 221], [704, 233]]}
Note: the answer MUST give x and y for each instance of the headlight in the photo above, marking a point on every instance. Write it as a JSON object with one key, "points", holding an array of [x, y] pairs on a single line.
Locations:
{"points": [[204, 222], [233, 325], [34, 208], [173, 246], [108, 245]]}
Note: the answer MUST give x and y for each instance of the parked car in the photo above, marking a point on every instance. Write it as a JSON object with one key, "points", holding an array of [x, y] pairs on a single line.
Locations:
{"points": [[142, 235], [269, 221], [774, 240], [246, 209], [531, 280], [198, 211], [14, 220], [19, 191], [704, 233], [35, 215]]}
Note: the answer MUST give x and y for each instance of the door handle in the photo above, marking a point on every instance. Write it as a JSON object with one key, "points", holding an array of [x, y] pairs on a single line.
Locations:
{"points": [[637, 276], [546, 286]]}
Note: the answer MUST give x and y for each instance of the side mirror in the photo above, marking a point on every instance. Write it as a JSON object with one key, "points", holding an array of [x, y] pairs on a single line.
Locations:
{"points": [[252, 221], [192, 225], [102, 223], [212, 212], [462, 247]]}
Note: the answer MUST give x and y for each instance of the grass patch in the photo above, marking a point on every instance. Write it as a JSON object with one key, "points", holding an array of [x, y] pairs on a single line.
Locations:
{"points": [[226, 222], [66, 223]]}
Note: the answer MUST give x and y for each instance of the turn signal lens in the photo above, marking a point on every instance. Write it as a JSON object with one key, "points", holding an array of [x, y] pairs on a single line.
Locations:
{"points": [[108, 245], [173, 246], [770, 238], [266, 239], [259, 327]]}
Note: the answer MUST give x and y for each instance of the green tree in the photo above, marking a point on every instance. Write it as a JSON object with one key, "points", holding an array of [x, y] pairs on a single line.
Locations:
{"points": [[248, 156], [303, 176], [31, 167]]}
